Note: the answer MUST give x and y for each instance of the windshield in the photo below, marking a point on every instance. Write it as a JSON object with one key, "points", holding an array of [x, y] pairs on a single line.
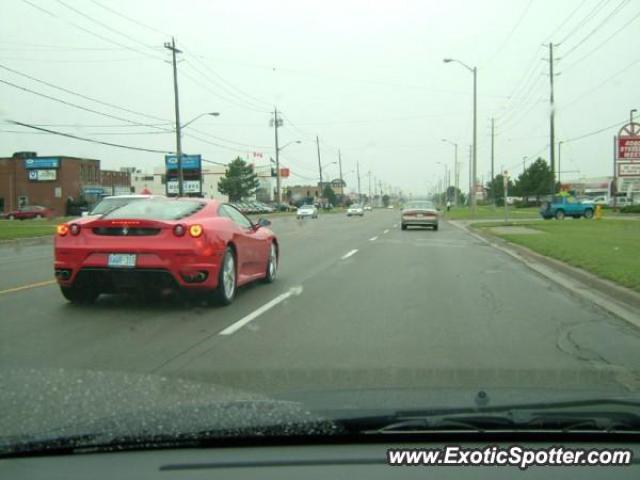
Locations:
{"points": [[420, 205], [108, 204], [156, 209], [305, 210]]}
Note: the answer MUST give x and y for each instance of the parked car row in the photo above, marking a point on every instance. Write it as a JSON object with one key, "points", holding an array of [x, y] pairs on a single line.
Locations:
{"points": [[251, 207]]}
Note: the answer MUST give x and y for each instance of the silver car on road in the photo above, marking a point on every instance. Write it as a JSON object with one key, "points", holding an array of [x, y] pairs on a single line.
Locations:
{"points": [[420, 212]]}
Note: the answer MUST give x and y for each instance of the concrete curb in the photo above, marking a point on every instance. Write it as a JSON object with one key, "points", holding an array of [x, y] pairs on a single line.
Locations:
{"points": [[617, 300]]}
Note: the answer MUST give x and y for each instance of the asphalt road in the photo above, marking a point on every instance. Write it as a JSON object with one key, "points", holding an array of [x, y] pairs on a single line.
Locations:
{"points": [[358, 303]]}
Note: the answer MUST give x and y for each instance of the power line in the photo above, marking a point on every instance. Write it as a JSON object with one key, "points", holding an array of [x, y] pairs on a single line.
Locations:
{"points": [[619, 7], [132, 20], [102, 24], [94, 34], [512, 31], [84, 139], [605, 41], [70, 104], [604, 82], [86, 97], [587, 17], [595, 132], [564, 22]]}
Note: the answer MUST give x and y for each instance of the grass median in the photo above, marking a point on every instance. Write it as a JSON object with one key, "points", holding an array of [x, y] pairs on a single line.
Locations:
{"points": [[489, 212], [609, 249]]}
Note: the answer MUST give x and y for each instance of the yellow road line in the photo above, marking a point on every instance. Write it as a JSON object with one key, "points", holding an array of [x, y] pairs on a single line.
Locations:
{"points": [[26, 287]]}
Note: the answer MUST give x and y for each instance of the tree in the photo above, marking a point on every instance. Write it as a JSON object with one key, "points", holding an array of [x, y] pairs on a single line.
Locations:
{"points": [[239, 181], [496, 188], [330, 195], [385, 200], [535, 180]]}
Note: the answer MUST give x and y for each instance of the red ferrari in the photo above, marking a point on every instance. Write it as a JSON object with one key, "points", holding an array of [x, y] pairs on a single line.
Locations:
{"points": [[186, 244]]}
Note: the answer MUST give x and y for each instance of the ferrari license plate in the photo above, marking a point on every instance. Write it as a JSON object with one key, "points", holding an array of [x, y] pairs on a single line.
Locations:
{"points": [[122, 260]]}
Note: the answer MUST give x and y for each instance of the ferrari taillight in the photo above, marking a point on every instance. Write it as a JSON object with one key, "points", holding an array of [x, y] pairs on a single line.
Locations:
{"points": [[195, 230], [74, 229], [62, 230]]}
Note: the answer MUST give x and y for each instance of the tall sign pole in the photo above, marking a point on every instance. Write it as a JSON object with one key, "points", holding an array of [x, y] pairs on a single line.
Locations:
{"points": [[276, 124]]}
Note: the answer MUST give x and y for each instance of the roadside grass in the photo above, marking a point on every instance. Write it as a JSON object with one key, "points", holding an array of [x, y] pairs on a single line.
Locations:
{"points": [[489, 211], [608, 249], [11, 230]]}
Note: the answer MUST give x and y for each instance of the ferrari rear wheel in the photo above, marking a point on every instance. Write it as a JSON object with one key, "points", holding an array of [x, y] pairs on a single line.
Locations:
{"points": [[272, 264], [79, 295], [225, 292]]}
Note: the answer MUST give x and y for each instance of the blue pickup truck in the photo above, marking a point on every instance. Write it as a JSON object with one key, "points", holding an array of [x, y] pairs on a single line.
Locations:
{"points": [[566, 206]]}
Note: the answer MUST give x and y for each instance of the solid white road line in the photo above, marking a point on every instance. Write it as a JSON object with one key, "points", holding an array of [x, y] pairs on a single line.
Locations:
{"points": [[234, 327], [373, 239], [386, 231], [347, 255]]}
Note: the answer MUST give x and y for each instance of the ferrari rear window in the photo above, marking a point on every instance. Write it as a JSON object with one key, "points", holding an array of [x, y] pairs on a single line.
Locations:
{"points": [[160, 209]]}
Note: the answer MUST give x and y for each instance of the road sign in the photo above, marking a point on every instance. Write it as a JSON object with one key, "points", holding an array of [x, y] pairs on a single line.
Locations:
{"points": [[629, 142], [188, 186]]}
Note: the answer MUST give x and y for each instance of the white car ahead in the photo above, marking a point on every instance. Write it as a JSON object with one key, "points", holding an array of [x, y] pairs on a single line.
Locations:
{"points": [[307, 211], [355, 209]]}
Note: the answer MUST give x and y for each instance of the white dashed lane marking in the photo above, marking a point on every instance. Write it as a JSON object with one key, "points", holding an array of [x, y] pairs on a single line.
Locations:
{"points": [[347, 255]]}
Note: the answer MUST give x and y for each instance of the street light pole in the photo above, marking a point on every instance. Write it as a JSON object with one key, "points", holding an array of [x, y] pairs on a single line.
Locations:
{"points": [[474, 71], [319, 165], [341, 180]]}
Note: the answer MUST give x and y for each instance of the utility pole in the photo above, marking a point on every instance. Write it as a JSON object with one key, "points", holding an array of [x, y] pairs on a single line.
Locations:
{"points": [[471, 182], [456, 174], [319, 165], [358, 169], [493, 123], [475, 138], [552, 130], [172, 46], [341, 180], [276, 124], [559, 159], [370, 187]]}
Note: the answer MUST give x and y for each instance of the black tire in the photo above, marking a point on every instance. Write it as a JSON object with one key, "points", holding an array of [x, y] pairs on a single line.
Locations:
{"points": [[222, 295], [560, 215], [273, 260], [588, 213], [403, 226], [79, 295], [435, 228]]}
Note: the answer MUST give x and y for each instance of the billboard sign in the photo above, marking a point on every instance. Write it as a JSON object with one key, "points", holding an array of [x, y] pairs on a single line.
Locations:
{"points": [[629, 148], [42, 162], [629, 169], [189, 162], [41, 175], [188, 186]]}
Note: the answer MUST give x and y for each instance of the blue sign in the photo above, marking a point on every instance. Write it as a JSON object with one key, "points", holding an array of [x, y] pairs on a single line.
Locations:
{"points": [[42, 162], [93, 190], [189, 162]]}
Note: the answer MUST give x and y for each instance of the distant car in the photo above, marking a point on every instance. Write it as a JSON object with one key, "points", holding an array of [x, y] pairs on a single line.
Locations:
{"points": [[355, 209], [307, 211], [601, 200], [28, 212], [566, 206], [419, 213], [367, 208], [108, 204], [186, 244], [390, 207]]}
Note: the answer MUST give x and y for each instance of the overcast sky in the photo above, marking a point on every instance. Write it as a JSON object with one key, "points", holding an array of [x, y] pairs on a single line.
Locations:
{"points": [[367, 77]]}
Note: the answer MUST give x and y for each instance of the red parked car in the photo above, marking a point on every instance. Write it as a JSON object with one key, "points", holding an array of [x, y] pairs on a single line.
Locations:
{"points": [[187, 244], [29, 211]]}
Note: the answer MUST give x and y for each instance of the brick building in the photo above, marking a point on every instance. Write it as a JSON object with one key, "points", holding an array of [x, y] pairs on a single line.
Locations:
{"points": [[29, 179]]}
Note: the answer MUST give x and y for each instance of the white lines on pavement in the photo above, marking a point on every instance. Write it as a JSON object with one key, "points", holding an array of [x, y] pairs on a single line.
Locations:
{"points": [[386, 231], [234, 327], [373, 239], [347, 255]]}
